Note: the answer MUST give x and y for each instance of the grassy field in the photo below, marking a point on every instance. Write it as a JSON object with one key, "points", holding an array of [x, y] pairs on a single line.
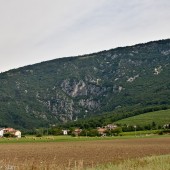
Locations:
{"points": [[47, 139], [147, 163], [80, 155], [143, 133], [159, 117]]}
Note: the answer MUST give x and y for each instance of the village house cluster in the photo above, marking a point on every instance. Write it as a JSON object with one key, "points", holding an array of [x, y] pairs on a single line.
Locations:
{"points": [[101, 130], [105, 128], [10, 132]]}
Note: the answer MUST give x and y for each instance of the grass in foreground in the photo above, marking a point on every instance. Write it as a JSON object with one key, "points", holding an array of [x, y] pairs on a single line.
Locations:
{"points": [[146, 163]]}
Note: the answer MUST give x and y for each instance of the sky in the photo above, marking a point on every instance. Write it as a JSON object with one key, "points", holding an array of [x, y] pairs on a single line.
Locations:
{"points": [[32, 31]]}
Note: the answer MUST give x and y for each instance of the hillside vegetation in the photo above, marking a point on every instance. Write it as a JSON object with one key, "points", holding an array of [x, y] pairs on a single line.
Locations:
{"points": [[160, 118], [73, 88]]}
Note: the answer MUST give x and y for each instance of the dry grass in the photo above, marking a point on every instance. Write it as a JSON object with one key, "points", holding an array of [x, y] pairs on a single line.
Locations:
{"points": [[146, 163], [77, 155]]}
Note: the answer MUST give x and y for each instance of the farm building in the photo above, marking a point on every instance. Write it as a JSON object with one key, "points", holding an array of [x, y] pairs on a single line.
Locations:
{"points": [[12, 132]]}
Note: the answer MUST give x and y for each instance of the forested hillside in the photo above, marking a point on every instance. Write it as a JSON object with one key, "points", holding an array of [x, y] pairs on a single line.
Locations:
{"points": [[68, 89]]}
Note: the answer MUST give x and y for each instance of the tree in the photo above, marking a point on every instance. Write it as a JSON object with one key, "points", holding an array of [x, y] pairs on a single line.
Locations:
{"points": [[153, 125], [93, 132], [8, 135], [116, 131]]}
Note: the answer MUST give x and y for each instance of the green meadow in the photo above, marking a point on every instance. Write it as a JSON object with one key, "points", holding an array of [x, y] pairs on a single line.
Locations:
{"points": [[46, 139], [159, 117]]}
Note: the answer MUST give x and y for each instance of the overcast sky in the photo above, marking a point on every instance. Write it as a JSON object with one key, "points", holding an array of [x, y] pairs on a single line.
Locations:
{"points": [[32, 31]]}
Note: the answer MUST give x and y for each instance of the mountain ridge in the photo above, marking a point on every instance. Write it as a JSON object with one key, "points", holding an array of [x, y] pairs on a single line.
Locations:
{"points": [[84, 55], [71, 88]]}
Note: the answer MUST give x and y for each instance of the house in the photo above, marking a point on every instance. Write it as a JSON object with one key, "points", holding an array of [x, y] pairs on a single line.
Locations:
{"points": [[65, 132], [77, 131], [8, 130], [101, 131], [111, 126], [13, 132], [1, 132]]}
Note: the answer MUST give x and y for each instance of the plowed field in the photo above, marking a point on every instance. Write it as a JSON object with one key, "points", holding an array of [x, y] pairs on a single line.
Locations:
{"points": [[90, 152]]}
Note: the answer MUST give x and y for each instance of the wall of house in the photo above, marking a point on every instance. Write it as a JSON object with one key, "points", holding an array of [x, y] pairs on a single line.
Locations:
{"points": [[18, 134], [1, 133]]}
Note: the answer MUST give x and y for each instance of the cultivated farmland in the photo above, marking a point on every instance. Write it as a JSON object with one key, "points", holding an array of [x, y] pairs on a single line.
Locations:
{"points": [[53, 155]]}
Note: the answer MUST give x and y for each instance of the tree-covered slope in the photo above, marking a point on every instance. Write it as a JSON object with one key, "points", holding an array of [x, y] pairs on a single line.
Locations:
{"points": [[76, 87]]}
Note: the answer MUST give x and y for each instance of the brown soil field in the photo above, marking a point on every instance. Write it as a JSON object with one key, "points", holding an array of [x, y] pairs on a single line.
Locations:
{"points": [[90, 152]]}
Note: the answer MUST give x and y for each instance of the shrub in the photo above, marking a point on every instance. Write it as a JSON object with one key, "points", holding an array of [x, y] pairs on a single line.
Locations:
{"points": [[39, 135], [160, 133], [8, 135]]}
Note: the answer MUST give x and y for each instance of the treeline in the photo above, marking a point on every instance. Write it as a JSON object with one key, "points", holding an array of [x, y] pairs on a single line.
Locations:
{"points": [[92, 132], [152, 126]]}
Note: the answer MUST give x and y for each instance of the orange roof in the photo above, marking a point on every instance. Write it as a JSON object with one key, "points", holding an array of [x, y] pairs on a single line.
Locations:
{"points": [[101, 130], [9, 129]]}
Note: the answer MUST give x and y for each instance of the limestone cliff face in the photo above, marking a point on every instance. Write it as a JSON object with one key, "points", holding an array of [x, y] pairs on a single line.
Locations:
{"points": [[72, 88], [75, 96]]}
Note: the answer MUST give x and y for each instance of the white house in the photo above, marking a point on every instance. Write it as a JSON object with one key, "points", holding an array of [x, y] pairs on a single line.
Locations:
{"points": [[1, 132], [65, 132]]}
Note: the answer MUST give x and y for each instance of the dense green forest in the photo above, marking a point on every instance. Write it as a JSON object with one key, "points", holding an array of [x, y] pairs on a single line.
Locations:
{"points": [[110, 83]]}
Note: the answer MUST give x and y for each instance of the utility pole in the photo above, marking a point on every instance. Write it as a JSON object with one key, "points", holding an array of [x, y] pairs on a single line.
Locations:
{"points": [[135, 130]]}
